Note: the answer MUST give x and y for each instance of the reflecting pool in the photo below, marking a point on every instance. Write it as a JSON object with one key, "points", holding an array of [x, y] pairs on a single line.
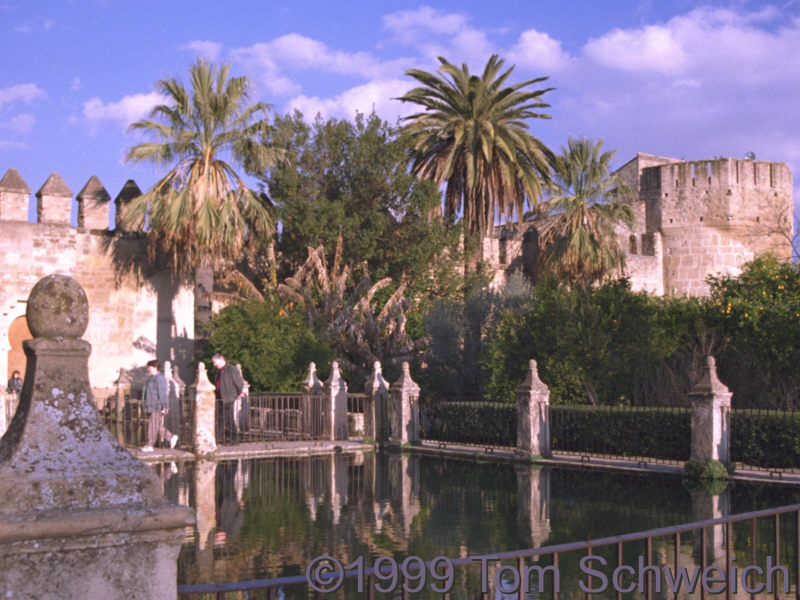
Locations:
{"points": [[264, 518]]}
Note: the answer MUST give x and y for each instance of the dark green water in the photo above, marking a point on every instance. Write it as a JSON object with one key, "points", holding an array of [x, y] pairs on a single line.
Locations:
{"points": [[270, 517]]}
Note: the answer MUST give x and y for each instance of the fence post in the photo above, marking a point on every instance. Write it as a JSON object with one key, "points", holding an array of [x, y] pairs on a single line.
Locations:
{"points": [[312, 386], [376, 409], [711, 406], [335, 409], [82, 517], [204, 439], [405, 409], [533, 415]]}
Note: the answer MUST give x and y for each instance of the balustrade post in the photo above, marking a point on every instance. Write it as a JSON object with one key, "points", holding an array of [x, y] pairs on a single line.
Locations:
{"points": [[711, 406], [405, 409], [376, 407], [533, 415], [83, 518], [335, 405], [204, 438], [312, 386]]}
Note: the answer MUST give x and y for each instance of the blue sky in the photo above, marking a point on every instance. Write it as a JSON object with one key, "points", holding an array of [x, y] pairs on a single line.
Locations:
{"points": [[682, 79]]}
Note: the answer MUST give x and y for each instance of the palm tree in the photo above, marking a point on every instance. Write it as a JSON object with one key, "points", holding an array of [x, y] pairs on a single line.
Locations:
{"points": [[201, 213], [580, 242], [473, 137]]}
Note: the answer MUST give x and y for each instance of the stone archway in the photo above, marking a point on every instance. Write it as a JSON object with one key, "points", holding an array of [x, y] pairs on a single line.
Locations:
{"points": [[17, 333]]}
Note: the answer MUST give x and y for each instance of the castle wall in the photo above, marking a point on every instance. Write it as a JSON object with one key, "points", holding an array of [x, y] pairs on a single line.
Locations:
{"points": [[692, 219], [715, 215], [130, 322]]}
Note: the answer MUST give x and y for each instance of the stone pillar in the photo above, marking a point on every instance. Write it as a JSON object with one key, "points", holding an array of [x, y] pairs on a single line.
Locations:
{"points": [[205, 414], [309, 416], [711, 413], [335, 405], [707, 506], [533, 505], [128, 192], [404, 409], [54, 201], [82, 518], [376, 408], [205, 474], [93, 202], [533, 415], [404, 495], [14, 194]]}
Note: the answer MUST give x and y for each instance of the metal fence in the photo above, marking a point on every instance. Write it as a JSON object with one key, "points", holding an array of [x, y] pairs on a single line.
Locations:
{"points": [[124, 415], [743, 548], [647, 434], [271, 417], [765, 439], [469, 422]]}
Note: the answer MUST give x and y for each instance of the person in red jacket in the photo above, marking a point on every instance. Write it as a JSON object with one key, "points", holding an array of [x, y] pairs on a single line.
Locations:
{"points": [[229, 387]]}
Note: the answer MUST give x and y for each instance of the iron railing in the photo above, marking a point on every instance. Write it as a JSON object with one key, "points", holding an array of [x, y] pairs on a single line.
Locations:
{"points": [[765, 439], [278, 416], [646, 434], [469, 422], [125, 417], [646, 563]]}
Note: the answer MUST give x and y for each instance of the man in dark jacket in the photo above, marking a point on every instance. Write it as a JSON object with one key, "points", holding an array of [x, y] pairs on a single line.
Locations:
{"points": [[229, 387], [155, 400]]}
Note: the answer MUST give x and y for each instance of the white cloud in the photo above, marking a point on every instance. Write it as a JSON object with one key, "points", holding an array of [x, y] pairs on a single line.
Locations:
{"points": [[268, 62], [204, 48], [76, 84], [435, 33], [653, 48], [379, 96], [24, 92], [123, 112], [257, 60], [21, 123], [537, 50]]}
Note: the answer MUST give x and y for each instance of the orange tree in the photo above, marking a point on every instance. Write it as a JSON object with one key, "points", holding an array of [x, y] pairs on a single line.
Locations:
{"points": [[758, 312]]}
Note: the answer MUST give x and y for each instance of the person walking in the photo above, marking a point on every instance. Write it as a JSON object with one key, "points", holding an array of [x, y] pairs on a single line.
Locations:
{"points": [[229, 387], [155, 400]]}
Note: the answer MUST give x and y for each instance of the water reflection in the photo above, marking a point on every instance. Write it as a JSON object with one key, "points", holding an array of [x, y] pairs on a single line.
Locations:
{"points": [[265, 518]]}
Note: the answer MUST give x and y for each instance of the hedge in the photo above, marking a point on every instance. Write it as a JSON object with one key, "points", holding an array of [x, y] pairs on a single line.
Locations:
{"points": [[765, 439], [469, 422], [651, 432]]}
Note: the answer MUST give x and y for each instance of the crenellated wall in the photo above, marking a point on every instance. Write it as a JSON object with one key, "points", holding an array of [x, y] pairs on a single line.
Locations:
{"points": [[692, 219], [130, 321]]}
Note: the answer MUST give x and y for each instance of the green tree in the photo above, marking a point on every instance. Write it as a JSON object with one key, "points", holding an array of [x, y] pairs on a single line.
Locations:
{"points": [[758, 313], [272, 341], [350, 180], [587, 204], [201, 213], [473, 137]]}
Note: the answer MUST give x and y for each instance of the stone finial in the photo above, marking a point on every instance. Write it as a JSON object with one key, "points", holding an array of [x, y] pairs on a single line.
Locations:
{"points": [[312, 383], [532, 383], [93, 201], [54, 201], [128, 192], [405, 383], [14, 194], [709, 383], [203, 383], [57, 308], [375, 382]]}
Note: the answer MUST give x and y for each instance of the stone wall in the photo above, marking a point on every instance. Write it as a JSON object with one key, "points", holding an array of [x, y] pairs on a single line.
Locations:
{"points": [[131, 321], [692, 219]]}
